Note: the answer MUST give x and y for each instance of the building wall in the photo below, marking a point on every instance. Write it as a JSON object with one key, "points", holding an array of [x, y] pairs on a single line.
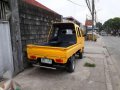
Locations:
{"points": [[35, 24], [16, 36], [6, 58], [9, 13], [28, 25], [4, 10]]}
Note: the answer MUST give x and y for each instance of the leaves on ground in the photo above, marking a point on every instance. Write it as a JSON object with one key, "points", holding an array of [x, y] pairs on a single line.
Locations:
{"points": [[89, 64]]}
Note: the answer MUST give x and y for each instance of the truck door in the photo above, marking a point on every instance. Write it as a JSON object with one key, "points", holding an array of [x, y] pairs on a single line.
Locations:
{"points": [[80, 38]]}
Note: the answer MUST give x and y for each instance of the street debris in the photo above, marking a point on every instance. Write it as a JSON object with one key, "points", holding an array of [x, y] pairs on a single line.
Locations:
{"points": [[89, 64], [9, 85]]}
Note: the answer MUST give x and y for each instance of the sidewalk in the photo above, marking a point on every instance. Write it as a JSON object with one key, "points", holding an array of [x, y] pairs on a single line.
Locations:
{"points": [[102, 77], [99, 78], [106, 67]]}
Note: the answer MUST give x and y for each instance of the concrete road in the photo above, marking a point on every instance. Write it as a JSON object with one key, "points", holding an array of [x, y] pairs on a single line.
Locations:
{"points": [[84, 78]]}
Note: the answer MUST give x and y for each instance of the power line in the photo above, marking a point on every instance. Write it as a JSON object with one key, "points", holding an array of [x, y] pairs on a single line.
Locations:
{"points": [[95, 16], [76, 3], [89, 6]]}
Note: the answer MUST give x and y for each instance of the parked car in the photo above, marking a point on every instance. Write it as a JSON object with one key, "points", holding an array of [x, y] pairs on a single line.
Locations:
{"points": [[103, 33], [64, 42]]}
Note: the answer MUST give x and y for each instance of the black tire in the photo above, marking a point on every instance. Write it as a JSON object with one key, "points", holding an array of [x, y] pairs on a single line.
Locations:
{"points": [[71, 64], [80, 55]]}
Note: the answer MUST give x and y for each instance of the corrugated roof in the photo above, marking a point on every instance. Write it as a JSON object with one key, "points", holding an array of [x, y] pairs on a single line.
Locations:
{"points": [[35, 3]]}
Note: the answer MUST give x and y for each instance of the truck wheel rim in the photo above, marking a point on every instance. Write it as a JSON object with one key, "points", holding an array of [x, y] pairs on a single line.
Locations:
{"points": [[73, 66]]}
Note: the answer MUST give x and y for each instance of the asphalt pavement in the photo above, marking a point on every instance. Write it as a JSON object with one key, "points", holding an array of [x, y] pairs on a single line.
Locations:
{"points": [[112, 44]]}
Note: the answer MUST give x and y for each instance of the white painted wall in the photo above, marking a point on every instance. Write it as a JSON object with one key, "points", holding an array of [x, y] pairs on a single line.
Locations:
{"points": [[6, 59]]}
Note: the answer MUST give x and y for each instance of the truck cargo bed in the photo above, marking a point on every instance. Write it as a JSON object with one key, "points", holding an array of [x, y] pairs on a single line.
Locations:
{"points": [[58, 44]]}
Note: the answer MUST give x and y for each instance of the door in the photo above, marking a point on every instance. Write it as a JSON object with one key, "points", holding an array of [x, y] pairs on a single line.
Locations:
{"points": [[6, 59]]}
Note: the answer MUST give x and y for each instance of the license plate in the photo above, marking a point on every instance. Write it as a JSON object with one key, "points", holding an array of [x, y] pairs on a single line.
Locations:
{"points": [[47, 61]]}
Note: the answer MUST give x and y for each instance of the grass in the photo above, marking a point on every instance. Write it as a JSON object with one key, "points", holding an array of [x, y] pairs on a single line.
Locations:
{"points": [[89, 64]]}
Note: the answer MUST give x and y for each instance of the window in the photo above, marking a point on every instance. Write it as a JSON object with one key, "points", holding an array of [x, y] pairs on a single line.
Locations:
{"points": [[81, 33], [69, 32], [56, 32], [78, 32]]}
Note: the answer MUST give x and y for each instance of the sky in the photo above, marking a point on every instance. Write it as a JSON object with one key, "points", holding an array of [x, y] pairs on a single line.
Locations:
{"points": [[106, 9]]}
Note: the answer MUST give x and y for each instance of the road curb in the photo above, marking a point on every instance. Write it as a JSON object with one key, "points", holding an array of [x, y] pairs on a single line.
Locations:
{"points": [[107, 76], [113, 62], [107, 71], [113, 67]]}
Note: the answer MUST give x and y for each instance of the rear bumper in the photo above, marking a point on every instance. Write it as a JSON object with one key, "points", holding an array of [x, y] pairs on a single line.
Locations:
{"points": [[56, 59], [54, 64], [32, 61]]}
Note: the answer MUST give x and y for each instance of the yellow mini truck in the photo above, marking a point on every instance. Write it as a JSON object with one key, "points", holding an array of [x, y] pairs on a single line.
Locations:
{"points": [[65, 40]]}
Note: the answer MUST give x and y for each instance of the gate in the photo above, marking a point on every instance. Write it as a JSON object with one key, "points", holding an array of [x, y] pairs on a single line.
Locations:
{"points": [[6, 59]]}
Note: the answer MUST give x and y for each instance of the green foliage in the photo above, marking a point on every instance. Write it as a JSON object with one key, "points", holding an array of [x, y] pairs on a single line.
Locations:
{"points": [[89, 64], [112, 24], [99, 26]]}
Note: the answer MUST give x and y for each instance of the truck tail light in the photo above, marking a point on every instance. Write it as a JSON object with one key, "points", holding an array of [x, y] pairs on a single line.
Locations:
{"points": [[33, 57], [59, 60]]}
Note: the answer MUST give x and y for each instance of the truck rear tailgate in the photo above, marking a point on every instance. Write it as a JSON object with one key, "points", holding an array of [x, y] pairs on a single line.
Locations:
{"points": [[46, 52]]}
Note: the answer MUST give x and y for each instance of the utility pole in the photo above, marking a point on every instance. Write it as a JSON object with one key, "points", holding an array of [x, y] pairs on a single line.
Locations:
{"points": [[93, 9]]}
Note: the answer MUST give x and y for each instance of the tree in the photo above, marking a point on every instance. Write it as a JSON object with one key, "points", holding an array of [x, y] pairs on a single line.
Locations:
{"points": [[108, 25], [99, 26], [112, 25], [116, 23]]}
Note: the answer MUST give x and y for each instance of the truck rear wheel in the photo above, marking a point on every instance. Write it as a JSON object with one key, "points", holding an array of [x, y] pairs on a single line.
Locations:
{"points": [[71, 64], [80, 55]]}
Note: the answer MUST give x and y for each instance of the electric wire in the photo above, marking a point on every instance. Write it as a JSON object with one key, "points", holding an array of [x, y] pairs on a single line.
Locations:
{"points": [[76, 3]]}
